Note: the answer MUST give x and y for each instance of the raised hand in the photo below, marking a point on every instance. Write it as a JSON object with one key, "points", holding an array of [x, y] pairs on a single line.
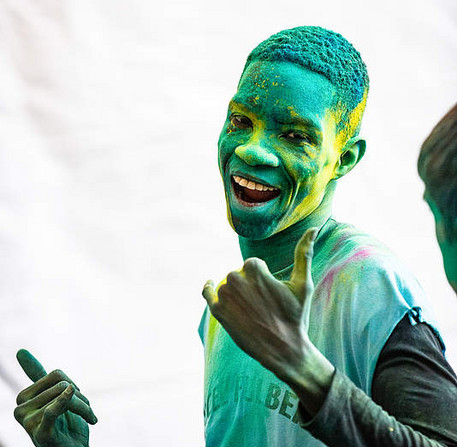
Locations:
{"points": [[52, 411], [267, 318]]}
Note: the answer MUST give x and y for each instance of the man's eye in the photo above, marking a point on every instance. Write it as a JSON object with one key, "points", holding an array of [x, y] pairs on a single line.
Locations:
{"points": [[240, 121], [297, 137]]}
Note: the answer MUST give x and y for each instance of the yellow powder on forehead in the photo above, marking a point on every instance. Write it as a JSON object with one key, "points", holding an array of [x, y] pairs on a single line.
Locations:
{"points": [[292, 111]]}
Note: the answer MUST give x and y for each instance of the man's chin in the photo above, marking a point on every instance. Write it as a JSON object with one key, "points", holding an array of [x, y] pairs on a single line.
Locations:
{"points": [[253, 230], [256, 220]]}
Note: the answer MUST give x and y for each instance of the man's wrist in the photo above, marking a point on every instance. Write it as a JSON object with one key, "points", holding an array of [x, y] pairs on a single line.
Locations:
{"points": [[310, 378]]}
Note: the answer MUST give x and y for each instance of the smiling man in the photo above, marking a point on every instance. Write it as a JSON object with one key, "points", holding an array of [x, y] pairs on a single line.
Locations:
{"points": [[301, 355], [282, 132]]}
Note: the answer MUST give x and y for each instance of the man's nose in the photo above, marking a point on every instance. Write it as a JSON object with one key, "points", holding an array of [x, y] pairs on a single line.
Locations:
{"points": [[255, 154]]}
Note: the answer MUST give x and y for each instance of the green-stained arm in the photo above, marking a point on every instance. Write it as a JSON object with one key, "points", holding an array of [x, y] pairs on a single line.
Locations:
{"points": [[52, 411]]}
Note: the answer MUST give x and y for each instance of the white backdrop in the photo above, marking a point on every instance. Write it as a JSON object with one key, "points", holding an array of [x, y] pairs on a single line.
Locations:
{"points": [[111, 208]]}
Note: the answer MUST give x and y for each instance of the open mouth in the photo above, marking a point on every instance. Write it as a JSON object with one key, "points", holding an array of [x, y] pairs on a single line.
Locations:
{"points": [[253, 192]]}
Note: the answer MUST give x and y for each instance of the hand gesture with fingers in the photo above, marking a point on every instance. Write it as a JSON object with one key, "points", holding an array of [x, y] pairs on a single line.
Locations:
{"points": [[52, 410], [268, 319]]}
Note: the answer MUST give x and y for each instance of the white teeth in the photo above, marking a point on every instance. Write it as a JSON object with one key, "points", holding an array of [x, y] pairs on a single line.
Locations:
{"points": [[252, 185]]}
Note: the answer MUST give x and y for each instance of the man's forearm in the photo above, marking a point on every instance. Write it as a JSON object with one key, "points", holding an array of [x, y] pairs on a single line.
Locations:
{"points": [[348, 417], [310, 378], [338, 413], [412, 381]]}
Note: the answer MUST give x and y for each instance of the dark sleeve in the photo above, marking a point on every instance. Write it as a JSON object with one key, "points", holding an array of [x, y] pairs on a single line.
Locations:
{"points": [[414, 400], [413, 368]]}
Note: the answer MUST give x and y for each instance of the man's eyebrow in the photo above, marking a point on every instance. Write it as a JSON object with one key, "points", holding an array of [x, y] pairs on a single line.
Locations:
{"points": [[309, 123], [294, 120], [234, 104]]}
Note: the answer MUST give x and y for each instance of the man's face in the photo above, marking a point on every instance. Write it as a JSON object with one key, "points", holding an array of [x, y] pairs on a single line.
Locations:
{"points": [[448, 247], [278, 148]]}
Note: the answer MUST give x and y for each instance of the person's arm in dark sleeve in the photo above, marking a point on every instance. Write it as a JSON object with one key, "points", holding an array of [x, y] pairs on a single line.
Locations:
{"points": [[414, 398], [413, 368]]}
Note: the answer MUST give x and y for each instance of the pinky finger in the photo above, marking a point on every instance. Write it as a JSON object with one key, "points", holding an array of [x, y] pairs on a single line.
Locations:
{"points": [[209, 293]]}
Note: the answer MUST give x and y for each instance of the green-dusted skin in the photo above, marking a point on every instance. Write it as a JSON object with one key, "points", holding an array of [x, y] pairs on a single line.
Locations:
{"points": [[437, 167], [448, 245], [52, 410], [281, 131]]}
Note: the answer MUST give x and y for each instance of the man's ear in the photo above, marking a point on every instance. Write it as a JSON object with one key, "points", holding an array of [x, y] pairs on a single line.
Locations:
{"points": [[351, 154]]}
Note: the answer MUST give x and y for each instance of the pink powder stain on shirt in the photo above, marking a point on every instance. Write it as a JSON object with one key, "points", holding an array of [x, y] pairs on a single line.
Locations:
{"points": [[329, 279]]}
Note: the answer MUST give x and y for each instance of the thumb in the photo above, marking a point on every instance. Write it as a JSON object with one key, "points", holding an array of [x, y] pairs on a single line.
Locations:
{"points": [[300, 278], [31, 366]]}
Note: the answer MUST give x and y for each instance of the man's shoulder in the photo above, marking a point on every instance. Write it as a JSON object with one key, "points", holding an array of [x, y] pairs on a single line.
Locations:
{"points": [[358, 271], [362, 291], [346, 248]]}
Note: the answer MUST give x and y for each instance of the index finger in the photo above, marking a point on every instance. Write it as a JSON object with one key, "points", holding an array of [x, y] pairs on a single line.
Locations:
{"points": [[303, 256], [31, 366]]}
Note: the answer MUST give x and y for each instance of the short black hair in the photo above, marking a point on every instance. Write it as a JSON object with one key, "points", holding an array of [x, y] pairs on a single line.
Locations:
{"points": [[437, 166]]}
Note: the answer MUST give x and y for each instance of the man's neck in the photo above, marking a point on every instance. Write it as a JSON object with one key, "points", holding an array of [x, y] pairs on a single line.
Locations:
{"points": [[278, 250]]}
